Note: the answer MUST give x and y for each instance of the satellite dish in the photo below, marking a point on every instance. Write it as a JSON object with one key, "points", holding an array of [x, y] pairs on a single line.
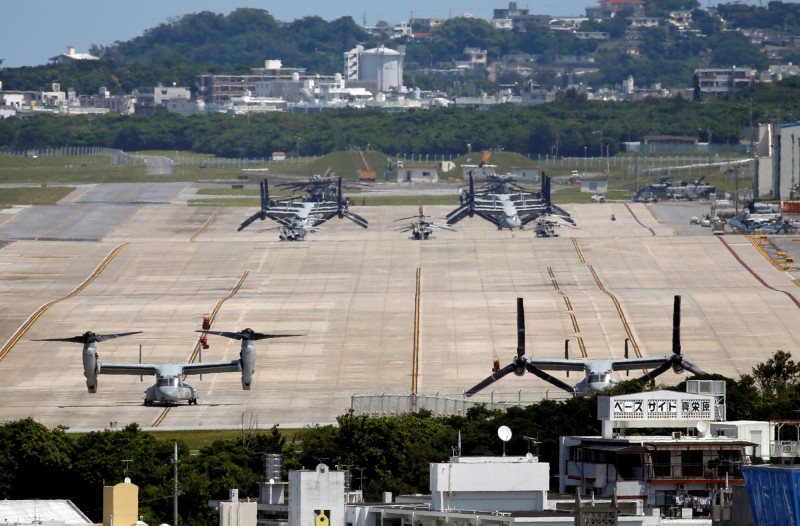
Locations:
{"points": [[504, 432], [127, 480], [272, 481], [529, 456], [702, 427]]}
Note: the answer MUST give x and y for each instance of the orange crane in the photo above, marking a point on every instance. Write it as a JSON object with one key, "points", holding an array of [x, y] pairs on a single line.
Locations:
{"points": [[367, 174]]}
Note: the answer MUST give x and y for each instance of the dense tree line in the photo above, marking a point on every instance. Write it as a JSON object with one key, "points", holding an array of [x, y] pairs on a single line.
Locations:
{"points": [[384, 453], [561, 128], [182, 48]]}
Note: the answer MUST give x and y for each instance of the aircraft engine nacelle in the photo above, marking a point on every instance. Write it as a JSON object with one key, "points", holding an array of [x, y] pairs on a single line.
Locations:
{"points": [[248, 363], [90, 367]]}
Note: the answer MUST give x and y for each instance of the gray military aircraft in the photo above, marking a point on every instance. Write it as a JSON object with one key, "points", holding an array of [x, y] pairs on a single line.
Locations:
{"points": [[597, 372], [169, 388], [297, 218], [506, 210], [422, 228]]}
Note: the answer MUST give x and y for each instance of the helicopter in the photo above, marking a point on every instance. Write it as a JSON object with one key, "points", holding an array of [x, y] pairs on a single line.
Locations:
{"points": [[320, 188], [169, 388], [507, 210], [298, 218], [421, 228], [597, 372]]}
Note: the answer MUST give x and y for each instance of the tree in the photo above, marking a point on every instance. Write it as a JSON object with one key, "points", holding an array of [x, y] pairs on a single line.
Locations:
{"points": [[29, 454], [778, 375]]}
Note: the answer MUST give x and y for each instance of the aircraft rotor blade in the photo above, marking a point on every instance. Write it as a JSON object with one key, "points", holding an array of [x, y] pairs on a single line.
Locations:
{"points": [[530, 218], [520, 329], [510, 368], [676, 326], [487, 217], [549, 378], [248, 334], [357, 219], [250, 220], [457, 211], [89, 337], [661, 369], [692, 368]]}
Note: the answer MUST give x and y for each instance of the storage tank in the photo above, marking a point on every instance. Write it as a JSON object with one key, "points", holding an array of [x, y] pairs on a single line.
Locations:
{"points": [[383, 66], [273, 464]]}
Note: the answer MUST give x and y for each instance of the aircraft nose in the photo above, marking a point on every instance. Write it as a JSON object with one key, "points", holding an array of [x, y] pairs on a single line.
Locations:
{"points": [[171, 394]]}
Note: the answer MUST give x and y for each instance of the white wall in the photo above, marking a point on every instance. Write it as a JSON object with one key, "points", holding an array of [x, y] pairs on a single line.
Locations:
{"points": [[316, 490], [497, 483]]}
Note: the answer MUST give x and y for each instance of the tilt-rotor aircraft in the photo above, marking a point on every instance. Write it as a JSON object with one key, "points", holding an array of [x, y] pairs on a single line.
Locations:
{"points": [[506, 210], [169, 388], [297, 218], [597, 372]]}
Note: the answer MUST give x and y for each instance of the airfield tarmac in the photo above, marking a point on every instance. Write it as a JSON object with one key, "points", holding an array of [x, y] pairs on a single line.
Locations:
{"points": [[116, 258]]}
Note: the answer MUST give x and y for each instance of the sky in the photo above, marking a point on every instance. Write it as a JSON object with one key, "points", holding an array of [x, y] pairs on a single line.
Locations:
{"points": [[35, 30]]}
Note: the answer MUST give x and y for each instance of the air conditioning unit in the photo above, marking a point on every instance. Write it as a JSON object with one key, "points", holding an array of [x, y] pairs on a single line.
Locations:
{"points": [[676, 435]]}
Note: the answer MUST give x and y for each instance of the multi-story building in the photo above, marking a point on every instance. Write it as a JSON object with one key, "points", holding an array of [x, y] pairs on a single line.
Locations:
{"points": [[721, 81], [152, 99]]}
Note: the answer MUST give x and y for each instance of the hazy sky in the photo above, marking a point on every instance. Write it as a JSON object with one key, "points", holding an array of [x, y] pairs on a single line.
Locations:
{"points": [[35, 30], [32, 31]]}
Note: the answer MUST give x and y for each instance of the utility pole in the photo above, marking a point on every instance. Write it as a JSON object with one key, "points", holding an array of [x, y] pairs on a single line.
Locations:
{"points": [[175, 490]]}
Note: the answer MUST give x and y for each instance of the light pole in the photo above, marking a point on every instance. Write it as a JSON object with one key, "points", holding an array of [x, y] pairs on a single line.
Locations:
{"points": [[584, 159]]}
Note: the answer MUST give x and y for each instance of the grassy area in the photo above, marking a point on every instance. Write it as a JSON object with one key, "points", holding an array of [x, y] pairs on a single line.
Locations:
{"points": [[34, 195], [191, 167]]}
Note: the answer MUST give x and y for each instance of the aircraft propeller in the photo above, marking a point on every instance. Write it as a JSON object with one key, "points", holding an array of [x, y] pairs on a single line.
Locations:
{"points": [[248, 334], [676, 361], [519, 364], [89, 337], [343, 211], [261, 214]]}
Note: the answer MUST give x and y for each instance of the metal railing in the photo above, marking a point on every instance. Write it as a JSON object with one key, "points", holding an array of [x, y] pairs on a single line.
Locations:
{"points": [[442, 404]]}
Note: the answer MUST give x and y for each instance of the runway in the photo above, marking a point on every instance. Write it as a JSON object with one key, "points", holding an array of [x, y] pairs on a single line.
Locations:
{"points": [[141, 259]]}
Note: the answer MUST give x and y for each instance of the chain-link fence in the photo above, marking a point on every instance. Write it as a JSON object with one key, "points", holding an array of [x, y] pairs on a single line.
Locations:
{"points": [[441, 404]]}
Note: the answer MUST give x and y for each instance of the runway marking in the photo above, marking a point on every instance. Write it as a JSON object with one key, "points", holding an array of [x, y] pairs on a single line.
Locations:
{"points": [[621, 314], [637, 219], [82, 194], [741, 262], [769, 258], [73, 214], [35, 316], [578, 250], [11, 217], [196, 351], [571, 313], [206, 225], [652, 213]]}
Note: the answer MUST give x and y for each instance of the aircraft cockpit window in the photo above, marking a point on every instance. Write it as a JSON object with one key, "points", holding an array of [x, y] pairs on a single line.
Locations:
{"points": [[168, 382], [599, 378]]}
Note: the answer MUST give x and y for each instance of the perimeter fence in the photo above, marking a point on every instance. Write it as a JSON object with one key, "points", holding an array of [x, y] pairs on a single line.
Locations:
{"points": [[442, 404]]}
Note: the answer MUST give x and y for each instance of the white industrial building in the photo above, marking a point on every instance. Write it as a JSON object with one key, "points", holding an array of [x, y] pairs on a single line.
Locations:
{"points": [[382, 65]]}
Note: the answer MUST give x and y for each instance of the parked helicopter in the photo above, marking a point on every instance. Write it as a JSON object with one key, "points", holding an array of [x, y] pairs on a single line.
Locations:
{"points": [[512, 210], [422, 228], [169, 387], [300, 217], [320, 188], [597, 372]]}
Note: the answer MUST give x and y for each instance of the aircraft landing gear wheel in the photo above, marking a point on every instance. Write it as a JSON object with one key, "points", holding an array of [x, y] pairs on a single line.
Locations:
{"points": [[193, 401]]}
